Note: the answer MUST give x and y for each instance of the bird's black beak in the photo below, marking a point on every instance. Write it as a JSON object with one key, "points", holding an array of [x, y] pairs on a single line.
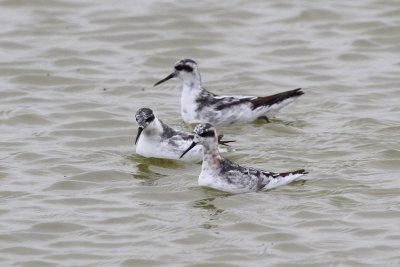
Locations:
{"points": [[172, 75], [189, 148], [139, 131]]}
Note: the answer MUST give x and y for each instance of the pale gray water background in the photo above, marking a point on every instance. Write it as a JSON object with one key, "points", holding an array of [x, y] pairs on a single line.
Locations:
{"points": [[73, 192]]}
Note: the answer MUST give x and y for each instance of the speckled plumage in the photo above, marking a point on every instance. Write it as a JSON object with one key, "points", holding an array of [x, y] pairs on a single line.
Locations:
{"points": [[223, 174], [199, 105]]}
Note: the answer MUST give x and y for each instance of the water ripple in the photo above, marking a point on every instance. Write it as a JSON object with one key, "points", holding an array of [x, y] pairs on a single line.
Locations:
{"points": [[74, 193]]}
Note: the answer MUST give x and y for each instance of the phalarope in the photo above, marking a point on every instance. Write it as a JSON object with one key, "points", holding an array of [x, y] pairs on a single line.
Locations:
{"points": [[199, 105], [157, 139], [225, 175]]}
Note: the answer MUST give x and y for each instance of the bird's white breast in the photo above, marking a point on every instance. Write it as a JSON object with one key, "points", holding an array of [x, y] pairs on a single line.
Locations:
{"points": [[188, 105]]}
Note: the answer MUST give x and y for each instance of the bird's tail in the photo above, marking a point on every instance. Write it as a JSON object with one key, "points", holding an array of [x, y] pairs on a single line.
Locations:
{"points": [[224, 142], [279, 179], [277, 101]]}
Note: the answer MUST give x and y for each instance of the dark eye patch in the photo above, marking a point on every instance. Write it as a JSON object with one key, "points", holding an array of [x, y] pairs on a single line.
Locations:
{"points": [[150, 119], [184, 68], [207, 134]]}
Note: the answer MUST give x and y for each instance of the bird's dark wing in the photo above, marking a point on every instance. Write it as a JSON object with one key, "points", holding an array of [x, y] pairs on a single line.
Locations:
{"points": [[275, 99]]}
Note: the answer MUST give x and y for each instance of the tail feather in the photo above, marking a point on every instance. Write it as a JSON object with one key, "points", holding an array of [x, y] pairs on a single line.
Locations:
{"points": [[224, 142], [276, 99], [279, 179]]}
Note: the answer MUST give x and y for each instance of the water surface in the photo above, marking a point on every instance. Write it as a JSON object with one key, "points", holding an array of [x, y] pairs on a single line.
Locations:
{"points": [[74, 193]]}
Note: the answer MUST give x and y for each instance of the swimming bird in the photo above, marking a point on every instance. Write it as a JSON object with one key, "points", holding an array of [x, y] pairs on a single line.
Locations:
{"points": [[222, 174], [199, 105], [157, 139]]}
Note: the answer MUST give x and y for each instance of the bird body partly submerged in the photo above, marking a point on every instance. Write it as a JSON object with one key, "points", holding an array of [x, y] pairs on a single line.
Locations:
{"points": [[222, 174], [158, 140]]}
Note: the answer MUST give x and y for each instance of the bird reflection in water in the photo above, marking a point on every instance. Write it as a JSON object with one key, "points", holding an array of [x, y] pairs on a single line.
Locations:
{"points": [[208, 204]]}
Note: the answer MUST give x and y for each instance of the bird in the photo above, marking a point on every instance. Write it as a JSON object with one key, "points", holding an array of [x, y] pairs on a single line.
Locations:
{"points": [[222, 174], [200, 106], [156, 139]]}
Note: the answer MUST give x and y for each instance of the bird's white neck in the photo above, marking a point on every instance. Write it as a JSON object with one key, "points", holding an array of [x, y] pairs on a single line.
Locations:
{"points": [[191, 84], [154, 128], [191, 91], [211, 156]]}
